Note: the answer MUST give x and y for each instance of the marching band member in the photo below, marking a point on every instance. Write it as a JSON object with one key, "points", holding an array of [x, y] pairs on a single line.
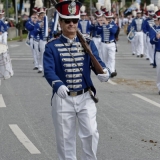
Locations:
{"points": [[137, 24], [3, 27], [67, 70], [145, 48], [41, 28], [131, 29], [36, 39], [146, 27], [84, 25], [107, 32], [29, 25], [98, 22], [154, 35]]}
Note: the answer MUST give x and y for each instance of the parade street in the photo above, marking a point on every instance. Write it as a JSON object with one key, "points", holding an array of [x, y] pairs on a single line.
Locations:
{"points": [[128, 111]]}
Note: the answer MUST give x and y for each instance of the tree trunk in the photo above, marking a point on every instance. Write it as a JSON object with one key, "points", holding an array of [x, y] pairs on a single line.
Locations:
{"points": [[32, 2], [20, 7]]}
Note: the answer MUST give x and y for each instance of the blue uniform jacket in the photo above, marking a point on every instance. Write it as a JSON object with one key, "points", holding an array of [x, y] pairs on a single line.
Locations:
{"points": [[30, 27], [94, 29], [153, 39], [146, 26], [107, 32], [84, 26], [59, 66], [39, 30], [3, 26], [134, 24]]}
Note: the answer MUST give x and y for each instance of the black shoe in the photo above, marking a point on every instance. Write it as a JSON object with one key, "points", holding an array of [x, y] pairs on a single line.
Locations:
{"points": [[113, 74], [137, 56], [154, 66], [147, 58], [159, 92], [39, 72], [151, 64], [35, 68], [133, 54], [141, 55]]}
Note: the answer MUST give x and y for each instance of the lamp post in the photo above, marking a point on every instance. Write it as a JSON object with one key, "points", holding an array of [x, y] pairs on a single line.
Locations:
{"points": [[118, 6], [7, 9], [16, 16]]}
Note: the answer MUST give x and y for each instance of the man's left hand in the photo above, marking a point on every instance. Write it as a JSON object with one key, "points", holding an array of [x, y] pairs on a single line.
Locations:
{"points": [[104, 77]]}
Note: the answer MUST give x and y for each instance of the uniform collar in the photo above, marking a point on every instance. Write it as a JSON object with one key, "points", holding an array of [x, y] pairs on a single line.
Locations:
{"points": [[66, 39]]}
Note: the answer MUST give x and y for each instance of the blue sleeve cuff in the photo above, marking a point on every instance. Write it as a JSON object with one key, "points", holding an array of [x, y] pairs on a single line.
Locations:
{"points": [[56, 85], [155, 40]]}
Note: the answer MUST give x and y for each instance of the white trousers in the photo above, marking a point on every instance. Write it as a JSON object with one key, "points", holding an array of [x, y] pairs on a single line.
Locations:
{"points": [[151, 50], [42, 48], [158, 69], [145, 48], [33, 52], [65, 112], [133, 46], [139, 43], [97, 41], [3, 38], [108, 55], [37, 54]]}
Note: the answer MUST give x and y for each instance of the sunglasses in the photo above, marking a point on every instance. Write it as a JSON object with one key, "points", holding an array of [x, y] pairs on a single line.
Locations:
{"points": [[68, 21]]}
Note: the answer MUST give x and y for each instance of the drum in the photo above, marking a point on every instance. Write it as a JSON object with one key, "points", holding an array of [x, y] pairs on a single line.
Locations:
{"points": [[5, 62], [131, 35]]}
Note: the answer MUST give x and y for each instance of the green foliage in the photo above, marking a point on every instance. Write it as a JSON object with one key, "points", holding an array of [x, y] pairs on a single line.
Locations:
{"points": [[11, 10]]}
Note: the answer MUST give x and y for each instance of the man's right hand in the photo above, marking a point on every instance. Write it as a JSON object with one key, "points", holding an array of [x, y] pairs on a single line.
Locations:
{"points": [[62, 91], [158, 36]]}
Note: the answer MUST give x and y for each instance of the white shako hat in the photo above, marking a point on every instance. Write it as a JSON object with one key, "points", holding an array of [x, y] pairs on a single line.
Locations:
{"points": [[1, 9], [98, 12], [82, 11]]}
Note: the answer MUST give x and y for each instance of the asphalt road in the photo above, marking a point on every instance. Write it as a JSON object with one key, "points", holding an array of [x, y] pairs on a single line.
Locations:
{"points": [[128, 110]]}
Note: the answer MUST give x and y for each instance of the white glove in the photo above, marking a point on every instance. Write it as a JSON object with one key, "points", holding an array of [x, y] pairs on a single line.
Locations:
{"points": [[62, 91], [104, 77]]}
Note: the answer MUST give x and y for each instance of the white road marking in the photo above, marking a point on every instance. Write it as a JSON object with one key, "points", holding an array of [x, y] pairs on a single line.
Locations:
{"points": [[22, 59], [13, 45], [2, 104], [147, 100], [23, 139], [111, 82]]}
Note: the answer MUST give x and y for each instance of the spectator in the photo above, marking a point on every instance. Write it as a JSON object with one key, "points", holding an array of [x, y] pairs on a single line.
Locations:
{"points": [[20, 27]]}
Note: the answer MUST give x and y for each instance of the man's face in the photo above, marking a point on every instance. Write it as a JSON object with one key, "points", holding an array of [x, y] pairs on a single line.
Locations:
{"points": [[138, 15], [156, 22], [69, 26], [109, 19], [83, 17], [41, 16]]}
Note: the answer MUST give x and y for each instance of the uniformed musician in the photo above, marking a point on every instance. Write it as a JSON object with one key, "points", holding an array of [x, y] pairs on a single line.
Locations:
{"points": [[84, 25], [154, 35], [3, 28], [137, 24], [146, 27], [67, 69], [107, 31], [41, 29]]}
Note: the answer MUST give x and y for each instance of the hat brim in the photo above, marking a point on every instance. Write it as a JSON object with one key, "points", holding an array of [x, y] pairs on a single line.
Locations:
{"points": [[108, 16], [69, 17], [98, 15]]}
